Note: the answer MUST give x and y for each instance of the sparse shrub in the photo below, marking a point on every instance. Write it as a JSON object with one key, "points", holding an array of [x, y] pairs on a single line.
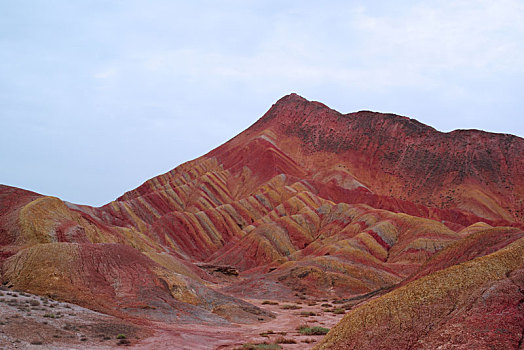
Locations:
{"points": [[50, 315], [307, 313], [339, 311], [265, 346], [302, 326], [121, 336], [269, 302], [267, 333], [34, 302], [326, 305], [290, 307], [282, 340], [316, 330]]}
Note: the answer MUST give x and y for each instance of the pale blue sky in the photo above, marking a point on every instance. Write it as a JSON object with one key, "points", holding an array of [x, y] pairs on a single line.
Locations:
{"points": [[98, 96]]}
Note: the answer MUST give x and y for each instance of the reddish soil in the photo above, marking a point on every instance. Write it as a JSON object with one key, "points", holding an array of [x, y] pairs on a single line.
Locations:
{"points": [[284, 326], [32, 322]]}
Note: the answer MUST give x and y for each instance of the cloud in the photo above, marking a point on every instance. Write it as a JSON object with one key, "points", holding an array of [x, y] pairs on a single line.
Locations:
{"points": [[444, 35], [417, 47]]}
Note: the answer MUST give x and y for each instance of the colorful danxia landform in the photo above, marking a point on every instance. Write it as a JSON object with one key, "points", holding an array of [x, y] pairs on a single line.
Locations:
{"points": [[420, 232]]}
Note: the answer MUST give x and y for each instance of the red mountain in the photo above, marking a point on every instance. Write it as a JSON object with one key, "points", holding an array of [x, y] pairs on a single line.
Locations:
{"points": [[409, 226]]}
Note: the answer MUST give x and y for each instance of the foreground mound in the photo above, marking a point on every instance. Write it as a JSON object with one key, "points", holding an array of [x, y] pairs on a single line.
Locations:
{"points": [[476, 304]]}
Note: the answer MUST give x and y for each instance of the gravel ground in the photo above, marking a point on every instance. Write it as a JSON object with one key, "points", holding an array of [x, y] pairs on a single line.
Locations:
{"points": [[31, 322]]}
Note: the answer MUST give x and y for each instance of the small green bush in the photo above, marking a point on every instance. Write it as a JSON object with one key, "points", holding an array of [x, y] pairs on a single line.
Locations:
{"points": [[316, 330]]}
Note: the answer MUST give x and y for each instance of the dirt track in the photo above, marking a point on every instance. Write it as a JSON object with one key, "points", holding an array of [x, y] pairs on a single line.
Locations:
{"points": [[170, 336]]}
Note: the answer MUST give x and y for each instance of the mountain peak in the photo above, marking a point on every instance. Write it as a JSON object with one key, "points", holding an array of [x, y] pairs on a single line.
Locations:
{"points": [[293, 108], [294, 99]]}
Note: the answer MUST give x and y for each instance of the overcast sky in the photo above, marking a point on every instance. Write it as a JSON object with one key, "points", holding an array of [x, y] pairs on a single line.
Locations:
{"points": [[98, 96]]}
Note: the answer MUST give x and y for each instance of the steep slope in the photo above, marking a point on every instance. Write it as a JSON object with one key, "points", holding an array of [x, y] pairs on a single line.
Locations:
{"points": [[400, 157]]}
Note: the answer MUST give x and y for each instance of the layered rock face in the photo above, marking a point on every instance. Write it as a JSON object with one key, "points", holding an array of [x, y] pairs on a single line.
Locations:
{"points": [[424, 227]]}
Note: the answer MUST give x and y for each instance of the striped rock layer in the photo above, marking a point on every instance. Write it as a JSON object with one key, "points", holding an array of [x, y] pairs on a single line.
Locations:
{"points": [[306, 200]]}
